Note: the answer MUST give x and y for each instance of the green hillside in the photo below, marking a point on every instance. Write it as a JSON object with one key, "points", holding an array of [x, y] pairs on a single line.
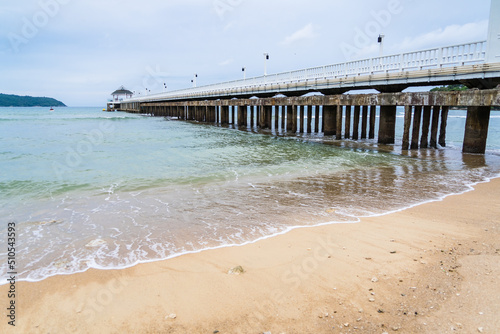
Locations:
{"points": [[28, 101]]}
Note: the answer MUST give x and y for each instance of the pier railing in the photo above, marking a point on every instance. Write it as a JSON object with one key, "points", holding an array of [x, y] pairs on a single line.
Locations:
{"points": [[436, 58]]}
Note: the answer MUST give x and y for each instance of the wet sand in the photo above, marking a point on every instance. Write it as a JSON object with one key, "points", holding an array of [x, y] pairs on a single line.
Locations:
{"points": [[433, 268]]}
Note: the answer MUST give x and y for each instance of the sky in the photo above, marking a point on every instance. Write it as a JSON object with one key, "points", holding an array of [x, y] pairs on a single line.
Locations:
{"points": [[79, 52]]}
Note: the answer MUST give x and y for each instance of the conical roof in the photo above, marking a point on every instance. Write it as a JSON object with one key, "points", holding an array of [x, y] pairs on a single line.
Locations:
{"points": [[122, 91]]}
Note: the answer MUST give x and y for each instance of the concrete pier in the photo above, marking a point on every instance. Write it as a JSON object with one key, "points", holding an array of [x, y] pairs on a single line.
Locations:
{"points": [[425, 118]]}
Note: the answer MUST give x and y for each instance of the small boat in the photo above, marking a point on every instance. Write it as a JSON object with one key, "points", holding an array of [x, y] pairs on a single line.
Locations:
{"points": [[51, 109]]}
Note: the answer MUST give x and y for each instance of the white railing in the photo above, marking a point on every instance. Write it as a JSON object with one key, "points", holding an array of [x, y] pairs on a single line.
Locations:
{"points": [[455, 55]]}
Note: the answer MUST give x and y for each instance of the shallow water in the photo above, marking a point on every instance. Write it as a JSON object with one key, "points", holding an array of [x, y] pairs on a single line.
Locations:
{"points": [[93, 189]]}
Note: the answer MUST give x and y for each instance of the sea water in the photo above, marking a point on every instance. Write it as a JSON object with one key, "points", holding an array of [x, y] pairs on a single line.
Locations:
{"points": [[91, 189]]}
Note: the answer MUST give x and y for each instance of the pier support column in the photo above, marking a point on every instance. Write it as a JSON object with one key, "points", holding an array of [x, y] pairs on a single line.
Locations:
{"points": [[355, 126], [276, 118], [309, 120], [316, 119], [301, 119], [283, 118], [444, 122], [373, 117], [268, 112], [424, 141], [233, 115], [387, 125], [415, 134], [347, 130], [242, 116], [434, 125], [289, 118], [224, 114], [330, 120], [258, 115], [338, 134], [294, 118], [476, 129], [407, 126], [252, 118], [364, 122], [265, 117]]}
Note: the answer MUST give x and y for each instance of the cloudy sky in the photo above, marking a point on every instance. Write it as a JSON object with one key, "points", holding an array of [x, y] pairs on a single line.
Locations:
{"points": [[80, 51]]}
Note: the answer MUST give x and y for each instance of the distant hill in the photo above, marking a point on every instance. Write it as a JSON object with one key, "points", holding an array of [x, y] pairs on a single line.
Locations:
{"points": [[28, 101]]}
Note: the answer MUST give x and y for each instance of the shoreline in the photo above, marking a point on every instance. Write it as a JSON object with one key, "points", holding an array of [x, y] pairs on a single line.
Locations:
{"points": [[329, 278], [470, 187]]}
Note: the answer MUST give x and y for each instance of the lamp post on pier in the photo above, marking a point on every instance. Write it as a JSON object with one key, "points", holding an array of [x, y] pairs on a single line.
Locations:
{"points": [[266, 58], [194, 80]]}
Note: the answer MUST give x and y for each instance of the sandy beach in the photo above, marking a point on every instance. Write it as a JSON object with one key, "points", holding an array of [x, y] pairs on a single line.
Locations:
{"points": [[433, 268]]}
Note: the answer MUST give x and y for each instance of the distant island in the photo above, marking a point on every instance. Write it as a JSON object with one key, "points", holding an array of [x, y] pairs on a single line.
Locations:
{"points": [[28, 101]]}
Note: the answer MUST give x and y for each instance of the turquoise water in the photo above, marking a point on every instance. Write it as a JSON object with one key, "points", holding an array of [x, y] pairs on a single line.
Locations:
{"points": [[88, 188]]}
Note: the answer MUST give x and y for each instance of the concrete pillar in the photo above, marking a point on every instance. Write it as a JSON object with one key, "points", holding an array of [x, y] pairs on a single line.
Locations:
{"points": [[415, 134], [434, 125], [294, 118], [493, 45], [243, 119], [262, 117], [476, 129], [373, 117], [387, 125], [316, 119], [252, 119], [338, 134], [224, 114], [258, 112], [268, 112], [330, 120], [322, 119], [364, 122], [444, 122], [309, 120], [276, 118], [289, 118], [355, 127], [347, 130], [283, 118], [407, 126], [424, 140], [233, 115], [301, 119]]}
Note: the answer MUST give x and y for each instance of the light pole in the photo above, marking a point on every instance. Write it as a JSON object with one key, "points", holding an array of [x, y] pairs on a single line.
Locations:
{"points": [[266, 58], [244, 70], [381, 44], [194, 80]]}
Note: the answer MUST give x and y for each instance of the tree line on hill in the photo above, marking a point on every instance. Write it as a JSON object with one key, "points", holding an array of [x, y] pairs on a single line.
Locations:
{"points": [[28, 101]]}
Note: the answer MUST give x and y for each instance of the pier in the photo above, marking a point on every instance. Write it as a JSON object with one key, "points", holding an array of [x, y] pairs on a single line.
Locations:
{"points": [[316, 100]]}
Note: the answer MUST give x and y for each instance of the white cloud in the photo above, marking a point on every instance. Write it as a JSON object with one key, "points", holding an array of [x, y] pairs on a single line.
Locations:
{"points": [[450, 35], [307, 32]]}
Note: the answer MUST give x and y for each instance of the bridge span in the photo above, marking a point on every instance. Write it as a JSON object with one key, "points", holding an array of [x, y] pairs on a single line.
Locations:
{"points": [[283, 103]]}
